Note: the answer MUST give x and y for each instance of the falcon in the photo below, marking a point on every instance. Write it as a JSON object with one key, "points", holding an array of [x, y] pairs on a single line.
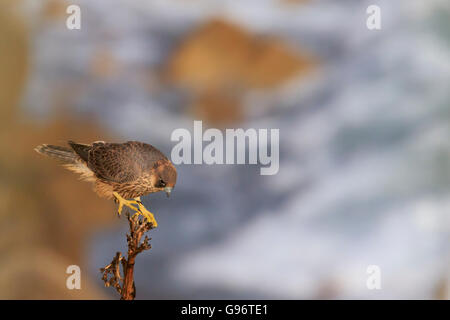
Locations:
{"points": [[120, 171]]}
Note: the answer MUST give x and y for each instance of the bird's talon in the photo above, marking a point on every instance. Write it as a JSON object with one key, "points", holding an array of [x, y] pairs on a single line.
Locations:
{"points": [[139, 210]]}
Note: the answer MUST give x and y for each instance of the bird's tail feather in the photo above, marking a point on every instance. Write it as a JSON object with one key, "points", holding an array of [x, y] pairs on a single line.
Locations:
{"points": [[63, 154]]}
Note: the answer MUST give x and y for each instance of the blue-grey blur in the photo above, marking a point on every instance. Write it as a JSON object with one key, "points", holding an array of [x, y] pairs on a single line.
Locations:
{"points": [[364, 119]]}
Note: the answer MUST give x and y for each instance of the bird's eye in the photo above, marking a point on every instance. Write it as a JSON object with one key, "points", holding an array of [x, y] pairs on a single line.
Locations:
{"points": [[161, 183]]}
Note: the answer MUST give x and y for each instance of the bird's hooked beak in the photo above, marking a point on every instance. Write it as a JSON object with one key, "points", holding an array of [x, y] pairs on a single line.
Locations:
{"points": [[168, 190]]}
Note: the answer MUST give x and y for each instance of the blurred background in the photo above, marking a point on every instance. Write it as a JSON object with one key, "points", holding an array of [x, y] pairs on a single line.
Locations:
{"points": [[364, 119]]}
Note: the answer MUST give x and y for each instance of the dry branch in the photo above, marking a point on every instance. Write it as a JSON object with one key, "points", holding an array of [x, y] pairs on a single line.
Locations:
{"points": [[112, 276]]}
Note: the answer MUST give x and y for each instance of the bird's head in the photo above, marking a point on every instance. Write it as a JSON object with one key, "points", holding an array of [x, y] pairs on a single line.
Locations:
{"points": [[165, 177]]}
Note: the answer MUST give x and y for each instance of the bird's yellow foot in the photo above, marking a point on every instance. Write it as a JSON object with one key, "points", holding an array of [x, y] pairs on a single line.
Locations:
{"points": [[147, 214], [139, 208], [127, 203]]}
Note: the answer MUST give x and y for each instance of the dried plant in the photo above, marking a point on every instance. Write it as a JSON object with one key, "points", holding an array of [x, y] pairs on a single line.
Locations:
{"points": [[124, 282]]}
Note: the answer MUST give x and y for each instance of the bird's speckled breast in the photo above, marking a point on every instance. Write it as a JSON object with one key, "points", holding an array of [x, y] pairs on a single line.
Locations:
{"points": [[139, 187]]}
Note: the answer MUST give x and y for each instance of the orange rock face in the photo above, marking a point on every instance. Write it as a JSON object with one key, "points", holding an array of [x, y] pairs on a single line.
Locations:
{"points": [[217, 108], [219, 58]]}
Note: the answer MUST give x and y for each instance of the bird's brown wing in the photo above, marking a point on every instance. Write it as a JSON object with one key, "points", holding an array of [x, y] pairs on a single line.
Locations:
{"points": [[122, 162], [113, 162], [82, 150]]}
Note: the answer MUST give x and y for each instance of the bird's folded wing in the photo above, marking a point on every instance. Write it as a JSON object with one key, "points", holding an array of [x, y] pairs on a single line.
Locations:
{"points": [[115, 162]]}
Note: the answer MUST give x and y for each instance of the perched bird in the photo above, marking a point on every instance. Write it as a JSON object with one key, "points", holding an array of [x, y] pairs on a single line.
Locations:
{"points": [[119, 171]]}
